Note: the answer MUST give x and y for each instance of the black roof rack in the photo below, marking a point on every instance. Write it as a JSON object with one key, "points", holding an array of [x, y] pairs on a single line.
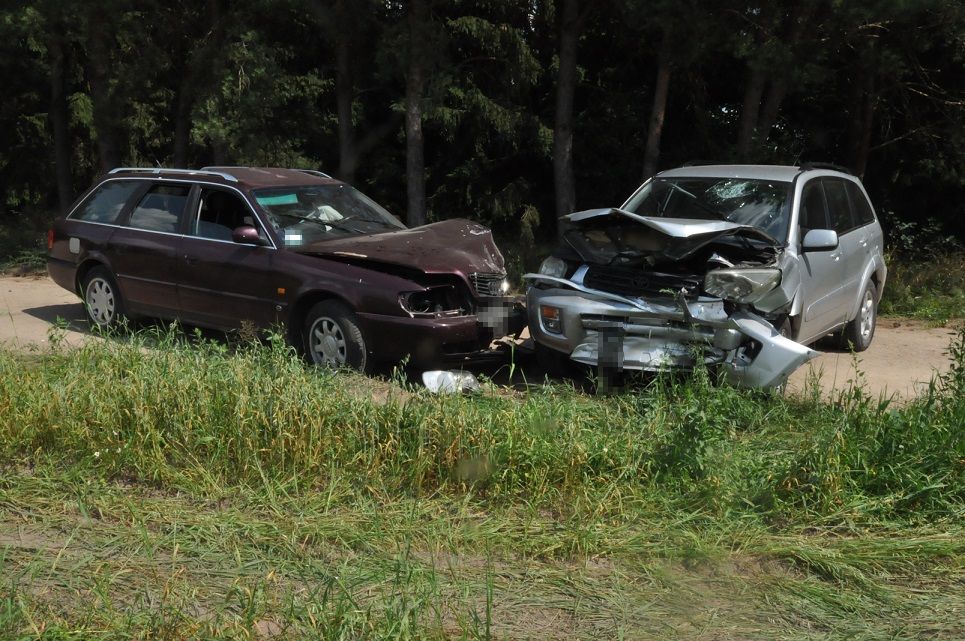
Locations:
{"points": [[807, 166]]}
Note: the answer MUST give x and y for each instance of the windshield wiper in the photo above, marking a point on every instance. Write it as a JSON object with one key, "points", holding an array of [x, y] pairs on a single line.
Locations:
{"points": [[317, 221]]}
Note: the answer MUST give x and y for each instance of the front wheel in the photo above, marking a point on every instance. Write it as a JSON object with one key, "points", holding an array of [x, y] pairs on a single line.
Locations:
{"points": [[332, 337], [857, 334], [102, 298]]}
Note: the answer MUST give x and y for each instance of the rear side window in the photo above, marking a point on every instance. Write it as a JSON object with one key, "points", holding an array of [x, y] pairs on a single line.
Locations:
{"points": [[838, 206], [160, 209], [860, 204], [814, 211], [107, 201]]}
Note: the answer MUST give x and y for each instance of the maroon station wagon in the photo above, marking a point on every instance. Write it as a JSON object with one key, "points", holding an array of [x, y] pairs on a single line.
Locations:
{"points": [[225, 246]]}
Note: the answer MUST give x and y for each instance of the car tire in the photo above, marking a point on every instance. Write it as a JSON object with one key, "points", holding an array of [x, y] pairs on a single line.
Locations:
{"points": [[332, 337], [102, 299], [857, 334]]}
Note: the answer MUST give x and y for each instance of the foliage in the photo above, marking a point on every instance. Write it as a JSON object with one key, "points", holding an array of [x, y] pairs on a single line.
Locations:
{"points": [[256, 83]]}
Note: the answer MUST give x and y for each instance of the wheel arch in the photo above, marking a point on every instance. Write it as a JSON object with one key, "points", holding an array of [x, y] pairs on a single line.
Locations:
{"points": [[83, 269], [296, 318]]}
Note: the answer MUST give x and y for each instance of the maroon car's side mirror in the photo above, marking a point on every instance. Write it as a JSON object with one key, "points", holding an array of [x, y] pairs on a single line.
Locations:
{"points": [[246, 235]]}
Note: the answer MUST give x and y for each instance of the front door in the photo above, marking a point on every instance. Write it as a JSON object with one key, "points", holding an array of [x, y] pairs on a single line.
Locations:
{"points": [[821, 278], [222, 283]]}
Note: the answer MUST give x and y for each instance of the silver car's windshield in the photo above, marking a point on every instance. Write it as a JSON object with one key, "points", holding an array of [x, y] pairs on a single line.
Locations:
{"points": [[303, 215], [758, 203]]}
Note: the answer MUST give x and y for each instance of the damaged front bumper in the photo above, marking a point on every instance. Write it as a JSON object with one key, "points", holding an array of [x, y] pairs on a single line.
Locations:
{"points": [[603, 329]]}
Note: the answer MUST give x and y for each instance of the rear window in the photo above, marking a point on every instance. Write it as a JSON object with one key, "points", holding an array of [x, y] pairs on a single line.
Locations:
{"points": [[160, 209], [862, 208], [107, 201]]}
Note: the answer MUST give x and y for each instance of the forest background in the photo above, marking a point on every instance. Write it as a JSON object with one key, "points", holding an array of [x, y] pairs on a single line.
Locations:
{"points": [[510, 112]]}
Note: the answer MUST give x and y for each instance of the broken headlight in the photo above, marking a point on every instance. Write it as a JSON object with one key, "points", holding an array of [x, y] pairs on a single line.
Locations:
{"points": [[432, 302], [741, 285], [554, 267]]}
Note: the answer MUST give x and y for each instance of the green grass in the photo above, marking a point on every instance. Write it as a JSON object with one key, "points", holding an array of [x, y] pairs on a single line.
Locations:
{"points": [[23, 242], [932, 290], [193, 491]]}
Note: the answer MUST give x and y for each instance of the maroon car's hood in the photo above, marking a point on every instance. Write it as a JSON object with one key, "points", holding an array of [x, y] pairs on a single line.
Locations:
{"points": [[450, 246]]}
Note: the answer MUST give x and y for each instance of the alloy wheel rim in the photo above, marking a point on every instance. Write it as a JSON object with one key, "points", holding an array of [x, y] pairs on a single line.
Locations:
{"points": [[867, 316], [100, 301], [328, 344]]}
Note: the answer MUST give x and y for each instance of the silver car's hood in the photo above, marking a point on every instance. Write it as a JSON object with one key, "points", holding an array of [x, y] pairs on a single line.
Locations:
{"points": [[676, 237]]}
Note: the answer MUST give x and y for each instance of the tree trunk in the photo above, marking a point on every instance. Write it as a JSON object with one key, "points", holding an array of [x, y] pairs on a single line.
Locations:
{"points": [[200, 67], [799, 21], [415, 83], [105, 115], [657, 112], [59, 119], [563, 179], [772, 105], [750, 109], [344, 92], [862, 122]]}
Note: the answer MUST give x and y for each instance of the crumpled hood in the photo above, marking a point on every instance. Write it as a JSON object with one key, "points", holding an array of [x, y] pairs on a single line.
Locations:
{"points": [[450, 246], [676, 238]]}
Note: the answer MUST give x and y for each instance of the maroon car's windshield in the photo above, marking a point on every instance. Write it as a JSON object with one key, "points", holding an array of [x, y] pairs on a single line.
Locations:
{"points": [[308, 214]]}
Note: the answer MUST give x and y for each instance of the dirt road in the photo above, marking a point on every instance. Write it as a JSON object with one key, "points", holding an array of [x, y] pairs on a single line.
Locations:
{"points": [[903, 358]]}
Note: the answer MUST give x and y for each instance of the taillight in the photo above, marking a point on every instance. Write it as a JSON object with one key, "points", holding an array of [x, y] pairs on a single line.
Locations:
{"points": [[50, 239]]}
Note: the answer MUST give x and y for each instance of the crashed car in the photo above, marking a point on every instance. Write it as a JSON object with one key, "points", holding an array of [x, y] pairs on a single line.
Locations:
{"points": [[737, 267], [229, 247]]}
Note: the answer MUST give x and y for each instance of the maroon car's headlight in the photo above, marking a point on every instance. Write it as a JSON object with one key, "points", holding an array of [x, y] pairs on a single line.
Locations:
{"points": [[432, 302]]}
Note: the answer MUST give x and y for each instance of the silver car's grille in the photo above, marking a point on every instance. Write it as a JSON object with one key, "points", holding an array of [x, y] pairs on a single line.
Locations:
{"points": [[634, 281], [487, 284]]}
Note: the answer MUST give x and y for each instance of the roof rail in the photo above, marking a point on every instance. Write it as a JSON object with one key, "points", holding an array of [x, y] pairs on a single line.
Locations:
{"points": [[701, 163], [314, 172], [158, 170], [806, 166]]}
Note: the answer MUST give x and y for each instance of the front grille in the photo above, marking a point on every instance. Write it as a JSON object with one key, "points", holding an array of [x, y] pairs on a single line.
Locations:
{"points": [[487, 284], [634, 281]]}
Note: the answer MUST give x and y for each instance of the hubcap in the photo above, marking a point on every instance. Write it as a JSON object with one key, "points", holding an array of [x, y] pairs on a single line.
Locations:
{"points": [[327, 343], [867, 316], [100, 301]]}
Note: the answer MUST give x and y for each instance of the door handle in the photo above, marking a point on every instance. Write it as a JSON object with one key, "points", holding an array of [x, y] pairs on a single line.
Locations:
{"points": [[190, 261]]}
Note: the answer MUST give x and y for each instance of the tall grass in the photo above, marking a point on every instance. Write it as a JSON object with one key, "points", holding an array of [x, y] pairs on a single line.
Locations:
{"points": [[197, 417], [931, 289]]}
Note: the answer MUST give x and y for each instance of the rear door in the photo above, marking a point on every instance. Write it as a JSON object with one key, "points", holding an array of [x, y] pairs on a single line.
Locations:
{"points": [[222, 283], [144, 249], [823, 271]]}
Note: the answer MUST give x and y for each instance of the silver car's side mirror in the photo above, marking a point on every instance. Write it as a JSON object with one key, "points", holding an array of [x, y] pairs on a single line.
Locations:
{"points": [[820, 240]]}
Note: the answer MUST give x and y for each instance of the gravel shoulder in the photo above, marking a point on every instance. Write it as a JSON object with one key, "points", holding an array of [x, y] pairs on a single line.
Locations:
{"points": [[903, 358]]}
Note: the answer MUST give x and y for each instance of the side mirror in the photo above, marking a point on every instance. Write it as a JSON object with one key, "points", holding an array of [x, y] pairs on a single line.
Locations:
{"points": [[246, 235], [818, 240]]}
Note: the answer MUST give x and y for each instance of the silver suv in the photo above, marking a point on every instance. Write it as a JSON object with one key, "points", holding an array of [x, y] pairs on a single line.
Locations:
{"points": [[733, 266]]}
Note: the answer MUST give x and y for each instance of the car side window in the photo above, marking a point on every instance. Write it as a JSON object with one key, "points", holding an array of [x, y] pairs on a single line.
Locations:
{"points": [[107, 201], [160, 209], [219, 214], [814, 210], [839, 207], [859, 203]]}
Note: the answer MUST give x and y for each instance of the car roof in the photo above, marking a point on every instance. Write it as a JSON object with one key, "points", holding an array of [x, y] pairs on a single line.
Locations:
{"points": [[782, 173], [244, 177]]}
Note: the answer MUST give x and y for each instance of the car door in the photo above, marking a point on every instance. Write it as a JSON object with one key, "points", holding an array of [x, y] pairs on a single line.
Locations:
{"points": [[823, 270], [144, 249], [222, 283], [852, 242]]}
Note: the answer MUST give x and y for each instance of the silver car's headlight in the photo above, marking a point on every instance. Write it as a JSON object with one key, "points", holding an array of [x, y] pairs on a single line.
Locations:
{"points": [[741, 285], [554, 267]]}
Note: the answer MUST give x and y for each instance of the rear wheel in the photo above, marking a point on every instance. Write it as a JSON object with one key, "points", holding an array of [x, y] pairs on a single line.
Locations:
{"points": [[858, 333], [332, 337], [102, 298]]}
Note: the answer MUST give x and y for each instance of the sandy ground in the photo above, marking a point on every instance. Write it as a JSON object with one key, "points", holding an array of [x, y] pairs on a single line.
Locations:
{"points": [[904, 356]]}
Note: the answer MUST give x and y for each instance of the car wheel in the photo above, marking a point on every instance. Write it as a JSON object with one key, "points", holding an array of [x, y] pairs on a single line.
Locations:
{"points": [[332, 337], [102, 298], [858, 333]]}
